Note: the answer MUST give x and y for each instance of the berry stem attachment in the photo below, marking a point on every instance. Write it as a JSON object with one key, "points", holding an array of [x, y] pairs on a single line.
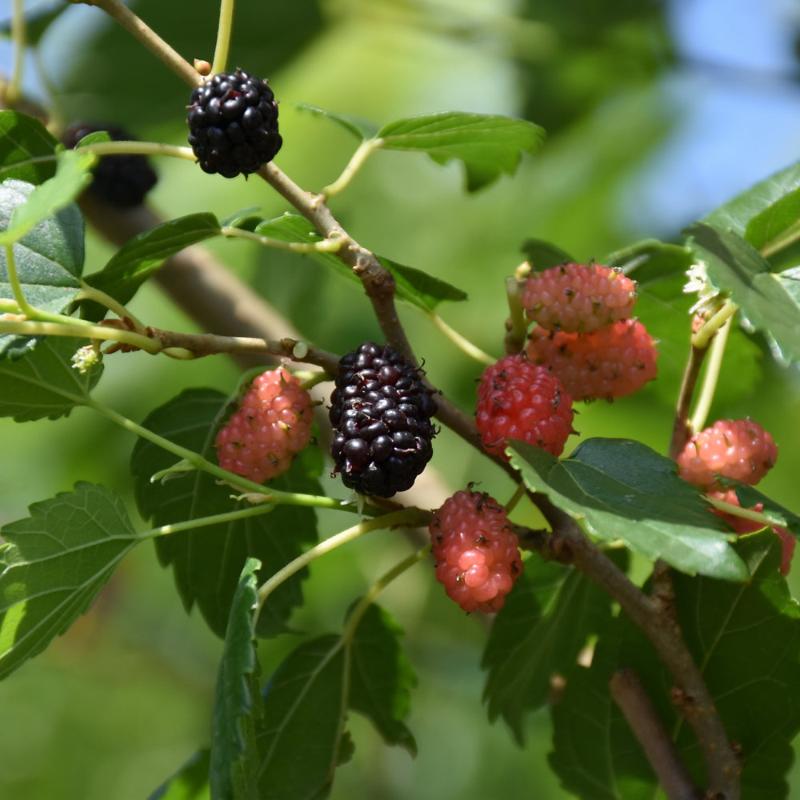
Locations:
{"points": [[358, 159], [709, 387], [461, 342], [408, 517], [224, 30], [18, 35], [329, 245], [148, 37]]}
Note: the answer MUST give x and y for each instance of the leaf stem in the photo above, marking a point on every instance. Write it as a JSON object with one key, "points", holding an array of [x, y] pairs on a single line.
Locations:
{"points": [[139, 149], [711, 377], [203, 522], [81, 329], [327, 245], [767, 520], [408, 517], [16, 287], [224, 30], [712, 325], [88, 292], [18, 35], [357, 160], [681, 428], [519, 493], [372, 593], [148, 37], [461, 342]]}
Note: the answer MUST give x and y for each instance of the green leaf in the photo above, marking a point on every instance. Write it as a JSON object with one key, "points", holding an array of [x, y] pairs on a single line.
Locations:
{"points": [[58, 560], [22, 139], [650, 260], [360, 128], [543, 255], [546, 621], [237, 704], [762, 213], [419, 288], [143, 255], [42, 384], [73, 175], [381, 677], [488, 145], [49, 260], [618, 489], [735, 267], [190, 782], [304, 721], [37, 23], [749, 497], [207, 563]]}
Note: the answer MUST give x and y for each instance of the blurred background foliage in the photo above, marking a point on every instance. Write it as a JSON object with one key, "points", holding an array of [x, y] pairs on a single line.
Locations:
{"points": [[655, 112]]}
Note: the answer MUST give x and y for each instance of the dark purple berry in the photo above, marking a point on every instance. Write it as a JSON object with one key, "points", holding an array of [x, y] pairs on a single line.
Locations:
{"points": [[380, 412]]}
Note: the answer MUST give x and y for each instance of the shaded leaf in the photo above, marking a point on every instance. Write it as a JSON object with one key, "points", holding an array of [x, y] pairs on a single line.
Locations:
{"points": [[618, 489], [650, 260], [543, 255], [143, 255], [49, 260], [360, 128], [58, 560], [419, 288], [381, 677], [22, 139], [42, 384], [237, 703], [488, 145], [207, 563], [190, 782], [546, 621], [735, 267]]}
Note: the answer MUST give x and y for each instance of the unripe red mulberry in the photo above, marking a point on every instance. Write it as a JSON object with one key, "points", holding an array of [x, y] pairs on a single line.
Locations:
{"points": [[271, 425], [608, 363], [736, 449], [476, 551], [578, 297], [519, 400]]}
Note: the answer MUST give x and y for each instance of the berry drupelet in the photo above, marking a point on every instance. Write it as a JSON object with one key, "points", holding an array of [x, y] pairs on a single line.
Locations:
{"points": [[233, 124], [380, 413], [122, 181]]}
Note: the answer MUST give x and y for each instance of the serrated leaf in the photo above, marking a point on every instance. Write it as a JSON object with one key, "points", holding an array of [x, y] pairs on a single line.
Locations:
{"points": [[49, 261], [360, 128], [190, 782], [42, 383], [381, 677], [488, 145], [618, 489], [745, 639], [543, 255], [207, 563], [60, 557], [23, 139], [73, 175], [650, 260], [304, 721], [762, 213], [546, 621], [736, 267], [37, 23], [237, 703], [143, 255]]}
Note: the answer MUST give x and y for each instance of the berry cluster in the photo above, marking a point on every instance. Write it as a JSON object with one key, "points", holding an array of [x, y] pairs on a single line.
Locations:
{"points": [[584, 333], [476, 551], [271, 425], [122, 181], [233, 124], [520, 400], [380, 413]]}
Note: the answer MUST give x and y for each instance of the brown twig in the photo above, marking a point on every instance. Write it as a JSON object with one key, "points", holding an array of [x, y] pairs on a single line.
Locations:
{"points": [[638, 710], [680, 429]]}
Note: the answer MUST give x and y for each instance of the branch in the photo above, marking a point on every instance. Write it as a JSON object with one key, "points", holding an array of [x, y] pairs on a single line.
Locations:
{"points": [[681, 430], [630, 696]]}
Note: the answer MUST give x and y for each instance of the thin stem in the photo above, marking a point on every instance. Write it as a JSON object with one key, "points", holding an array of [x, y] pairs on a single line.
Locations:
{"points": [[408, 517], [461, 342], [519, 493], [224, 29], [148, 37], [705, 334], [789, 237], [81, 330], [372, 593], [18, 35], [328, 245], [745, 513], [88, 292], [203, 522], [716, 354], [681, 429], [516, 324], [139, 149], [16, 286], [357, 160]]}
